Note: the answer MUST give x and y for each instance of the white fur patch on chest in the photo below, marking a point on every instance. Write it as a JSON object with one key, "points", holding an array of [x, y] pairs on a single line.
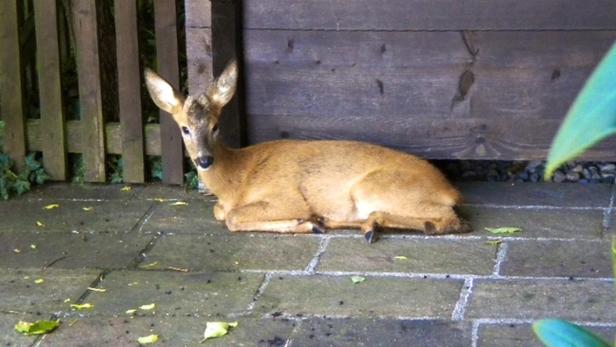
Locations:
{"points": [[363, 209]]}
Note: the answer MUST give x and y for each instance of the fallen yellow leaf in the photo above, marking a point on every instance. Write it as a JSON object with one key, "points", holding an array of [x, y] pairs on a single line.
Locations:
{"points": [[152, 264], [180, 269], [400, 257], [51, 206], [217, 329], [17, 250], [100, 290], [147, 307], [131, 311], [147, 339], [88, 208], [178, 203], [85, 306], [33, 246], [39, 280], [126, 188], [40, 224]]}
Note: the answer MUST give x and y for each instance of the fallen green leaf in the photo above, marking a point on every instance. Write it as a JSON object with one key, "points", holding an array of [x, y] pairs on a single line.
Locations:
{"points": [[147, 307], [51, 206], [217, 329], [147, 339], [85, 306], [357, 279], [591, 118], [400, 257], [494, 242], [37, 328], [560, 333], [504, 230]]}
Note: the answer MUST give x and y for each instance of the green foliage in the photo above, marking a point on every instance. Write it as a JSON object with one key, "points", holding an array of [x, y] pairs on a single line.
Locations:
{"points": [[12, 183], [560, 333], [192, 180], [156, 169], [591, 118], [78, 170], [116, 167]]}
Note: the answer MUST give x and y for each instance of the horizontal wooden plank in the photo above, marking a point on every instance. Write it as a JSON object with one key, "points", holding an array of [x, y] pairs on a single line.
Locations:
{"points": [[502, 49], [450, 138], [430, 15], [113, 137], [355, 49]]}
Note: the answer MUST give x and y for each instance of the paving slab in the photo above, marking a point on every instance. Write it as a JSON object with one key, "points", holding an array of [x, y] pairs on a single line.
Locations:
{"points": [[381, 332], [205, 295], [111, 250], [85, 191], [234, 252], [21, 294], [558, 258], [376, 296], [428, 255], [547, 194], [172, 331], [578, 300], [197, 217], [515, 335], [535, 223], [165, 192], [100, 216], [8, 336]]}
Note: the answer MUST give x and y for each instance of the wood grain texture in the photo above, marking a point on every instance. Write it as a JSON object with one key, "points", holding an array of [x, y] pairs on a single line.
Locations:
{"points": [[199, 59], [129, 90], [430, 15], [11, 83], [198, 13], [77, 142], [168, 67], [90, 99], [50, 88], [403, 80], [429, 137]]}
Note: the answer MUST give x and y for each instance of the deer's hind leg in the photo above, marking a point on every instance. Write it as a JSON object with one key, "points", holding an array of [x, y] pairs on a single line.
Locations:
{"points": [[266, 216]]}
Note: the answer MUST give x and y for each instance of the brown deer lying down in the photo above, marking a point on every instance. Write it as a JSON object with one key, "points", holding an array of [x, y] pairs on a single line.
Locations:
{"points": [[304, 186]]}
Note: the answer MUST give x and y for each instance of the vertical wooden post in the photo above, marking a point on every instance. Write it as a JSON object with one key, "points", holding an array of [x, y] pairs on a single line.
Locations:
{"points": [[168, 67], [88, 70], [11, 83], [50, 92], [129, 89], [227, 45]]}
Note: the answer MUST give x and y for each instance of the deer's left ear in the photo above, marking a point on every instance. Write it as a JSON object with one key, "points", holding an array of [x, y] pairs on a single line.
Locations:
{"points": [[222, 89]]}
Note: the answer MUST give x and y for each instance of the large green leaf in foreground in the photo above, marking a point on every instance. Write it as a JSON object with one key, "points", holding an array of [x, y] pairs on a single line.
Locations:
{"points": [[591, 118], [560, 333]]}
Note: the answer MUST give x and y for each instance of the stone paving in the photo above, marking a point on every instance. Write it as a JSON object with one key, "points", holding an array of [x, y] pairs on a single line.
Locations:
{"points": [[296, 290]]}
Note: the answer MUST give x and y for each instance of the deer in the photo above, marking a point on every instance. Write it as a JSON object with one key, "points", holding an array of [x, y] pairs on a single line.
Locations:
{"points": [[306, 186]]}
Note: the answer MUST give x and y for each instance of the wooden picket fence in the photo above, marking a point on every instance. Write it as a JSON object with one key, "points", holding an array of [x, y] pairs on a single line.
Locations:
{"points": [[91, 136]]}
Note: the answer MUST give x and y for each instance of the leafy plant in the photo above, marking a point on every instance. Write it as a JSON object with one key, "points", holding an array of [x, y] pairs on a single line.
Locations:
{"points": [[116, 168], [12, 183], [591, 118], [560, 333]]}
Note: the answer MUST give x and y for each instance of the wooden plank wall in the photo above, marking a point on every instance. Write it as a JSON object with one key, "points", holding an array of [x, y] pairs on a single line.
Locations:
{"points": [[442, 79]]}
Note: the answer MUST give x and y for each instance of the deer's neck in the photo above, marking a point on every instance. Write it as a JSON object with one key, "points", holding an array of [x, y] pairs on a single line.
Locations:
{"points": [[226, 174]]}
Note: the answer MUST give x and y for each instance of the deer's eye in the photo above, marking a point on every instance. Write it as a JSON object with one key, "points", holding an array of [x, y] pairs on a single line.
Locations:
{"points": [[185, 130], [215, 128]]}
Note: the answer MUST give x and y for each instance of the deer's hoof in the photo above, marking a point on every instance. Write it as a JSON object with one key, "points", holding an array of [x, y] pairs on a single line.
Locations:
{"points": [[370, 236], [317, 229]]}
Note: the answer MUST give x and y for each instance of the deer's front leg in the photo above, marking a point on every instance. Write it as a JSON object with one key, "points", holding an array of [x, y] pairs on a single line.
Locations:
{"points": [[264, 216], [219, 212]]}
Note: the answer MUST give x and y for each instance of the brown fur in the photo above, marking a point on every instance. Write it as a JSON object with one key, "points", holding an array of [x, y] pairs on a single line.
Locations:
{"points": [[301, 186]]}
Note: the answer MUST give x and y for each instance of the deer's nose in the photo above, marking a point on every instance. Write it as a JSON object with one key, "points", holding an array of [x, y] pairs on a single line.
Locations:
{"points": [[205, 161]]}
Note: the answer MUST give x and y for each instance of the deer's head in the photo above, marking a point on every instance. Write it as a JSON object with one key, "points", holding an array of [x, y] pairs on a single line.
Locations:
{"points": [[196, 116]]}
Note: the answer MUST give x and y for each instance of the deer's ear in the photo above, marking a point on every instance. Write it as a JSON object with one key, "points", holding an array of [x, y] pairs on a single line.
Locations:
{"points": [[163, 94], [222, 89]]}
